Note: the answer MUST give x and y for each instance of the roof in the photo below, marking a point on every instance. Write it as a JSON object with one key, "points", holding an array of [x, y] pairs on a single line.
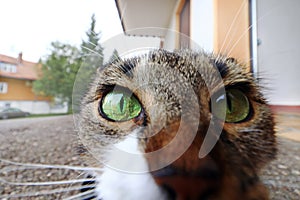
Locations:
{"points": [[24, 69], [138, 14]]}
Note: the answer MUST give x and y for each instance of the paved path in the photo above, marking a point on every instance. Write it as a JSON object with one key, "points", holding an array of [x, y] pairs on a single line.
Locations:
{"points": [[51, 140], [289, 125], [47, 140]]}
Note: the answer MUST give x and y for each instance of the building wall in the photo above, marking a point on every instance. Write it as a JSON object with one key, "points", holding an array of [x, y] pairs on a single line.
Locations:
{"points": [[202, 25], [128, 46], [20, 95], [19, 90], [216, 26], [172, 35], [277, 30], [278, 54], [231, 31], [35, 107]]}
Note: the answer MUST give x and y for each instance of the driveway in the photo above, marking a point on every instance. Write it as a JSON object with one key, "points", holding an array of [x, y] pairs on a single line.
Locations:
{"points": [[51, 140], [47, 140]]}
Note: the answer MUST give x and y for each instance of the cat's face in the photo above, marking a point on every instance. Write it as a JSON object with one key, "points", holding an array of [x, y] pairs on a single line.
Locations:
{"points": [[200, 125]]}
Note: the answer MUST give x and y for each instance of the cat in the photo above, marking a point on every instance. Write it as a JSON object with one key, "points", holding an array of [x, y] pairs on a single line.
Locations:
{"points": [[176, 125]]}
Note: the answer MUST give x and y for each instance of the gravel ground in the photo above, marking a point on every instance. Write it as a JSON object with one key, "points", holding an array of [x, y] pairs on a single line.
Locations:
{"points": [[48, 140], [42, 141]]}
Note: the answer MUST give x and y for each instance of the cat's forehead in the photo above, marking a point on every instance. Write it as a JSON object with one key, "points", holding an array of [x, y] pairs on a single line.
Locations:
{"points": [[197, 68]]}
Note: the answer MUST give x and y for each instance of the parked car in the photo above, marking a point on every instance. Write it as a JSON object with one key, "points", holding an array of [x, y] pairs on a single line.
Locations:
{"points": [[6, 113]]}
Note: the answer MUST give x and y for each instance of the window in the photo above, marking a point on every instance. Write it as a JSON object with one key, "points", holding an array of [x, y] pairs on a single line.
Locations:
{"points": [[7, 67], [3, 88]]}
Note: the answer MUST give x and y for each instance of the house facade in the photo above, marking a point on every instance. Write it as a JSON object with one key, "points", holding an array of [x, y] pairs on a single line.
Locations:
{"points": [[248, 30], [16, 79]]}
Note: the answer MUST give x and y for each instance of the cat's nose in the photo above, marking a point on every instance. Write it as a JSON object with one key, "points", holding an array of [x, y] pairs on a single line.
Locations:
{"points": [[182, 186]]}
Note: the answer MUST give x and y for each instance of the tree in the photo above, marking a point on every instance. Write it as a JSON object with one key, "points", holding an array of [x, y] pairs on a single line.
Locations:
{"points": [[92, 59], [59, 72], [92, 45], [68, 71]]}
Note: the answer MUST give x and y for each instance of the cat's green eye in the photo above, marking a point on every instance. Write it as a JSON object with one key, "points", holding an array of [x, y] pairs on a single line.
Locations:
{"points": [[235, 106], [120, 106]]}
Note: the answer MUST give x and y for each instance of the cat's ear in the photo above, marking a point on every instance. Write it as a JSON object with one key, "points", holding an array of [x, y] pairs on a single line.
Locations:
{"points": [[221, 66], [231, 60]]}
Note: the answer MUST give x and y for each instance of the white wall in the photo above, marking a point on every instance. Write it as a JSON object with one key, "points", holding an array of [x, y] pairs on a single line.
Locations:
{"points": [[202, 24], [172, 34], [36, 107], [129, 45], [278, 55]]}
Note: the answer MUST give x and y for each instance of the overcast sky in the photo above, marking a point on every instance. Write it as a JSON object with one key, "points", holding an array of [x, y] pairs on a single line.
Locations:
{"points": [[30, 26]]}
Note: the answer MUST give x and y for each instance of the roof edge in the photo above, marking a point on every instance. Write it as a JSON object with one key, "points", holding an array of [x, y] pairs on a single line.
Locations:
{"points": [[120, 16], [19, 78]]}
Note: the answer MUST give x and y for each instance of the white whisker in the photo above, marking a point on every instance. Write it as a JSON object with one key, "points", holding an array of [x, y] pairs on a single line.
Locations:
{"points": [[239, 39], [92, 43], [8, 169], [232, 25], [32, 165], [92, 51], [116, 57], [46, 192], [245, 32], [87, 194], [246, 130], [45, 183], [94, 33]]}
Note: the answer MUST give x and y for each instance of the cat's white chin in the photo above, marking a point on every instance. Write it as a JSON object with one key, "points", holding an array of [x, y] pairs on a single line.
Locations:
{"points": [[115, 184]]}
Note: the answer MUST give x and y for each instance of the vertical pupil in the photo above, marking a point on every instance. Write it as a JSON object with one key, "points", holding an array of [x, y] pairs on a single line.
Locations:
{"points": [[229, 104], [122, 103]]}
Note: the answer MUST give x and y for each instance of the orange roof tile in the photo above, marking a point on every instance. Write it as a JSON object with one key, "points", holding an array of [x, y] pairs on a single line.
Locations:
{"points": [[25, 69]]}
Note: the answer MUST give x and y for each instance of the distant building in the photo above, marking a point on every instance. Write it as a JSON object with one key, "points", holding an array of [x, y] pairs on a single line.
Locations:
{"points": [[16, 79]]}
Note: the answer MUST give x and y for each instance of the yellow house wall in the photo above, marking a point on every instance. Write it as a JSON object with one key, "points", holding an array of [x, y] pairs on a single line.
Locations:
{"points": [[232, 36], [20, 90]]}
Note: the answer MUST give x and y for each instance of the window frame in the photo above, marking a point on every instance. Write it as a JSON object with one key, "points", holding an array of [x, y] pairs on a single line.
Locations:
{"points": [[3, 87]]}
